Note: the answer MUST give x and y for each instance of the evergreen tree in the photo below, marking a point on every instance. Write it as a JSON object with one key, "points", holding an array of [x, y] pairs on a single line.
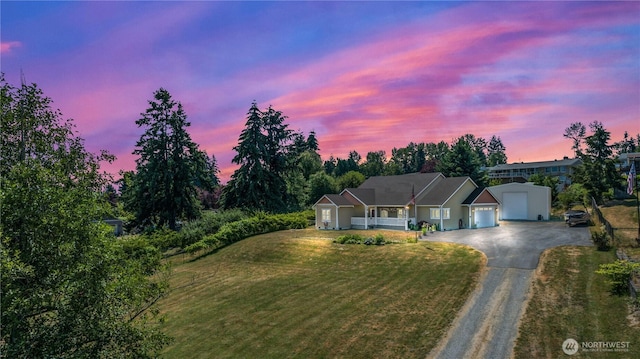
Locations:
{"points": [[330, 165], [496, 152], [169, 167], [462, 160], [263, 151], [411, 158], [312, 142], [479, 146], [627, 145], [597, 174]]}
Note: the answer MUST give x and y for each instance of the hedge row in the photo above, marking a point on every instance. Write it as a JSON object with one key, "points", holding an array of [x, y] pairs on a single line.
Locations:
{"points": [[192, 231], [258, 224]]}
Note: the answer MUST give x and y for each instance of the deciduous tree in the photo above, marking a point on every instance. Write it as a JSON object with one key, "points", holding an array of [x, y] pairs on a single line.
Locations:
{"points": [[69, 288]]}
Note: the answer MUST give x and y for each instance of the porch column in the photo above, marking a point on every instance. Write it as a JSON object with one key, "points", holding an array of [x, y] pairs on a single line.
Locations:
{"points": [[441, 220], [406, 218], [337, 217], [366, 217]]}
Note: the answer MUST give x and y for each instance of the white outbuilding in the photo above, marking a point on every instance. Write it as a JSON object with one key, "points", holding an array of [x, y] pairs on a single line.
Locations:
{"points": [[522, 201]]}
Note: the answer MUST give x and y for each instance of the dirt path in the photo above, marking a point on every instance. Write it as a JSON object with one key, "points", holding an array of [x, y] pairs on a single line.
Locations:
{"points": [[487, 326]]}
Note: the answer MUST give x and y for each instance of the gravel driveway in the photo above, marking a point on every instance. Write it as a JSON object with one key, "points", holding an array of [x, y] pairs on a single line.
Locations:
{"points": [[487, 325]]}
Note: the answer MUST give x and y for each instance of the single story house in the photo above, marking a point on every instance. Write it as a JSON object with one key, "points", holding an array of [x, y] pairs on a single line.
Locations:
{"points": [[395, 202], [523, 201]]}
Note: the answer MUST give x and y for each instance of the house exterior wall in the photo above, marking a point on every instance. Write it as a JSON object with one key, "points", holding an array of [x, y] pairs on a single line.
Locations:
{"points": [[345, 215], [458, 212], [340, 217], [319, 222], [538, 198]]}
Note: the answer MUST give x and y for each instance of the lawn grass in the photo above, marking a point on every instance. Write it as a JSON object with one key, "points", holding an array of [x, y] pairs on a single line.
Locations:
{"points": [[295, 294], [569, 300], [623, 216]]}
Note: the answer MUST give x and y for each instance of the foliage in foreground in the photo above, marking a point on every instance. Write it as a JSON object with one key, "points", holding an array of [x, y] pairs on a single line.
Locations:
{"points": [[69, 289], [258, 224]]}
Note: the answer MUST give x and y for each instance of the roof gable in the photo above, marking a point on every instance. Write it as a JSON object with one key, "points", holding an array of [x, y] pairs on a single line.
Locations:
{"points": [[443, 190], [356, 196], [334, 199], [481, 196]]}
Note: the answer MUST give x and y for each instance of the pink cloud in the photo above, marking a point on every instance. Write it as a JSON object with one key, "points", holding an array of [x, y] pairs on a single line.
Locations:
{"points": [[7, 47], [430, 81]]}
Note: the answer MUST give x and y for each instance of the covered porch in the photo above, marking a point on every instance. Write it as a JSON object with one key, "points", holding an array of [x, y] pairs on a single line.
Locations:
{"points": [[383, 217]]}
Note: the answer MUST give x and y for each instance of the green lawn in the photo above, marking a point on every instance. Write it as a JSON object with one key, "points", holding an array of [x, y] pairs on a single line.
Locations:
{"points": [[295, 294], [569, 300]]}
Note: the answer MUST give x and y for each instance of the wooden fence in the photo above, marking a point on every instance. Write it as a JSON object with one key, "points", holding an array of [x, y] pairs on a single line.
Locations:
{"points": [[607, 226]]}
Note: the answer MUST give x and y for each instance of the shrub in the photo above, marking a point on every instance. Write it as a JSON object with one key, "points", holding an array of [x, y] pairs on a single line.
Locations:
{"points": [[350, 239], [163, 239], [601, 240], [139, 249], [619, 274], [260, 223], [208, 224]]}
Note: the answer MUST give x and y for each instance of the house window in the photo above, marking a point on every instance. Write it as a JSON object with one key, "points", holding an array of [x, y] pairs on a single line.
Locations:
{"points": [[326, 215], [400, 213], [435, 213], [384, 213]]}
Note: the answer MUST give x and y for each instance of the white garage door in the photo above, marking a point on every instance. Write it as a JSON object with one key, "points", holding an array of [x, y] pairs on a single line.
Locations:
{"points": [[484, 217], [514, 205]]}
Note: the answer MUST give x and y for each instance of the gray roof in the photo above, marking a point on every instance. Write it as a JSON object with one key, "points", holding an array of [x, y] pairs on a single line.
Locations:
{"points": [[366, 195], [395, 190], [338, 200], [542, 164], [442, 191]]}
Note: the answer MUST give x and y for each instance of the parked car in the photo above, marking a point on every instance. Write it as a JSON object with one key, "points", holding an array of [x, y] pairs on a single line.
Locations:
{"points": [[574, 217]]}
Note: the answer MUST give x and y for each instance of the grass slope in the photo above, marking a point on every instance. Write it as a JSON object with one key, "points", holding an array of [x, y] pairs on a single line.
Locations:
{"points": [[569, 300], [295, 294]]}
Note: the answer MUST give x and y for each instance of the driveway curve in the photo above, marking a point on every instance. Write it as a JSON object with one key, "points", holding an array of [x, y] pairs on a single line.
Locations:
{"points": [[487, 325]]}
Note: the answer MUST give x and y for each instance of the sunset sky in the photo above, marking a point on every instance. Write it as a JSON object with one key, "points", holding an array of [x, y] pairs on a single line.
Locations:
{"points": [[365, 76]]}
